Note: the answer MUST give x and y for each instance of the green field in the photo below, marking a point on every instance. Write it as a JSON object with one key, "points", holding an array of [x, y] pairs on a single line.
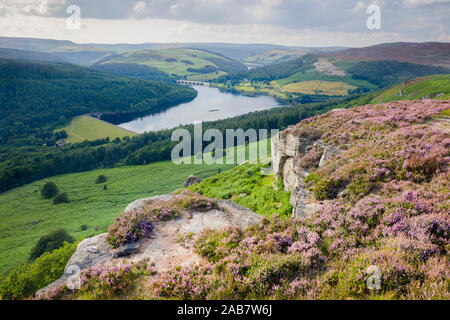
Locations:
{"points": [[312, 87], [319, 87], [89, 204], [88, 128], [433, 87], [272, 89]]}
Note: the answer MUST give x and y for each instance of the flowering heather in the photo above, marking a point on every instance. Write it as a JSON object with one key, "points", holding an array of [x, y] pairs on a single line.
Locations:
{"points": [[387, 205], [130, 227], [188, 283], [378, 144], [190, 200], [102, 282], [138, 224], [394, 214]]}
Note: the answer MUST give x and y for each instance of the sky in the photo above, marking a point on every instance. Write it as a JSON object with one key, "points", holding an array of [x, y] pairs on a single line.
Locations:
{"points": [[313, 23]]}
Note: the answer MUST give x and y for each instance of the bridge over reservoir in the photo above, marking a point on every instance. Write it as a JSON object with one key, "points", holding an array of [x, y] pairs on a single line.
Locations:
{"points": [[192, 83]]}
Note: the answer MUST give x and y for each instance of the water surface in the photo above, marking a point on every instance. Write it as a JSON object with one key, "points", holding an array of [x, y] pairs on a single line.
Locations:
{"points": [[210, 104]]}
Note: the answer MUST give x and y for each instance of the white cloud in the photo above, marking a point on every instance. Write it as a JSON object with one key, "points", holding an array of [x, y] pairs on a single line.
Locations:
{"points": [[164, 30], [30, 7], [297, 22], [140, 7], [417, 3]]}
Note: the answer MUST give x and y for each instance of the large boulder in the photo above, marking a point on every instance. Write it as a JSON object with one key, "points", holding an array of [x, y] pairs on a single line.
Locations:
{"points": [[90, 252], [171, 243], [191, 180], [138, 204]]}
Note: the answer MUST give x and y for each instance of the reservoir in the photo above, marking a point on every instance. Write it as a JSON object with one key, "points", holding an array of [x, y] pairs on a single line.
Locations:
{"points": [[209, 105]]}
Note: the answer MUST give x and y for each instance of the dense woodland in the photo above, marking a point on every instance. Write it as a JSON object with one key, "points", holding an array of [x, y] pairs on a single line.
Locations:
{"points": [[135, 70]]}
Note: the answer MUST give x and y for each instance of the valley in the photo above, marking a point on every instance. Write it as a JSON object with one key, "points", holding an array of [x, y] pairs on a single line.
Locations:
{"points": [[91, 125]]}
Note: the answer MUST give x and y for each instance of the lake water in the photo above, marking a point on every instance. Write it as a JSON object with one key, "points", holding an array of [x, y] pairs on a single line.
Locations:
{"points": [[210, 104]]}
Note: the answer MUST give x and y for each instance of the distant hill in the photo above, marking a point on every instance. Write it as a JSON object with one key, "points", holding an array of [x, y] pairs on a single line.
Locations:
{"points": [[81, 55], [313, 76], [191, 64], [6, 53], [252, 55], [283, 54], [429, 53], [33, 44]]}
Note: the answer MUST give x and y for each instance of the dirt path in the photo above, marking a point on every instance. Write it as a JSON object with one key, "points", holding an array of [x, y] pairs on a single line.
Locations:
{"points": [[442, 124]]}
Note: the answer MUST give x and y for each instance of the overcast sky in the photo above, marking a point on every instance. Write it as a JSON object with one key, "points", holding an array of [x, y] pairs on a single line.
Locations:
{"points": [[288, 22]]}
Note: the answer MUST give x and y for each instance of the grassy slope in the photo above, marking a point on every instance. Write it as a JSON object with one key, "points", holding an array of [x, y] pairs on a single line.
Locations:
{"points": [[90, 204], [248, 186], [157, 59], [88, 128], [429, 86]]}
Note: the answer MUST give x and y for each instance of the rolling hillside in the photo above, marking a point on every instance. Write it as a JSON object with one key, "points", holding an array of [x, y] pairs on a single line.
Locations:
{"points": [[351, 70], [183, 63], [280, 55], [250, 54], [429, 53], [6, 53], [80, 55]]}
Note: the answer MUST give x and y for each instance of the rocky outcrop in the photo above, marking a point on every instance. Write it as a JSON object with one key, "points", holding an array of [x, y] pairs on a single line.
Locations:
{"points": [[191, 180], [328, 152], [288, 150], [137, 204], [171, 243]]}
